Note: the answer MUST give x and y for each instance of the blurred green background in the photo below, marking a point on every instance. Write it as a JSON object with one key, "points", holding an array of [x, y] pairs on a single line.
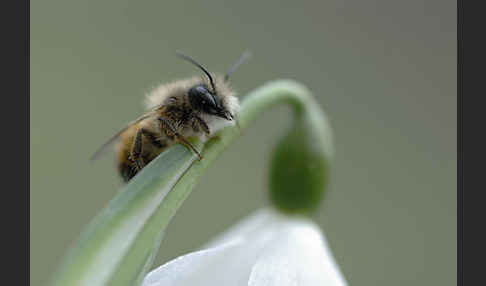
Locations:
{"points": [[384, 71]]}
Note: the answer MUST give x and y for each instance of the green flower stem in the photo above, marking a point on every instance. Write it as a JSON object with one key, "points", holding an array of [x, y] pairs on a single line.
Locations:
{"points": [[119, 245]]}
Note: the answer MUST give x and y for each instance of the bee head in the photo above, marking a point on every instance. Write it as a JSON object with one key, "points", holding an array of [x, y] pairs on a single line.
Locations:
{"points": [[208, 100], [203, 100]]}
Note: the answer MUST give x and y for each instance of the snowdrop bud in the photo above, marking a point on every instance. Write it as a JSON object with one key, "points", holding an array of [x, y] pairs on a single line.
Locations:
{"points": [[301, 162]]}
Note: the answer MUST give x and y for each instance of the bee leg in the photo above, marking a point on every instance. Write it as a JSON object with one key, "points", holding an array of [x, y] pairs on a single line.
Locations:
{"points": [[188, 144], [136, 150], [200, 123], [170, 131]]}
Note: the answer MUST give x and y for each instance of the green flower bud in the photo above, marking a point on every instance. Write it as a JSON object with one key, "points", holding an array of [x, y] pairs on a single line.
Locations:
{"points": [[301, 162]]}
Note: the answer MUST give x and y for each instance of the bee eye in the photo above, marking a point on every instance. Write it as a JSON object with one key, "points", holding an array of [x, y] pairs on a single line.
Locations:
{"points": [[200, 98]]}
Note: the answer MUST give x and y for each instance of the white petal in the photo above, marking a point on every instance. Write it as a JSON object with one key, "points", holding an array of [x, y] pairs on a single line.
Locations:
{"points": [[264, 249], [246, 227], [298, 256], [183, 269]]}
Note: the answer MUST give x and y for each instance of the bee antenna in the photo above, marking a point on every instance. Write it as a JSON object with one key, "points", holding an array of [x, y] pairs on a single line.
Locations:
{"points": [[242, 59], [192, 61]]}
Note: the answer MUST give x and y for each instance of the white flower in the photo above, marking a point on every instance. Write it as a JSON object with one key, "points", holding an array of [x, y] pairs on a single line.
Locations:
{"points": [[265, 249]]}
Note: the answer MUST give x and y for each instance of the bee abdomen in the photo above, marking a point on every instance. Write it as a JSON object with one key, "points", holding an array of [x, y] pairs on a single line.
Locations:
{"points": [[127, 171], [127, 168]]}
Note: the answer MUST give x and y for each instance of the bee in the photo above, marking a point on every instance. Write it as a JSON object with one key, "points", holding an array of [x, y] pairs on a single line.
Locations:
{"points": [[176, 111]]}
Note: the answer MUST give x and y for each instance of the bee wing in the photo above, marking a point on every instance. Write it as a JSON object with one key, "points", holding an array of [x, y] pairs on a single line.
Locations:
{"points": [[113, 138]]}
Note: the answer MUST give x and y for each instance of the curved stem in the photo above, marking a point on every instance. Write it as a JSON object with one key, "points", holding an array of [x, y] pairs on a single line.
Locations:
{"points": [[119, 245]]}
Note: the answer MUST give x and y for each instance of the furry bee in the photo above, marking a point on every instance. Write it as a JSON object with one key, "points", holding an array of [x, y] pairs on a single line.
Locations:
{"points": [[176, 111]]}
